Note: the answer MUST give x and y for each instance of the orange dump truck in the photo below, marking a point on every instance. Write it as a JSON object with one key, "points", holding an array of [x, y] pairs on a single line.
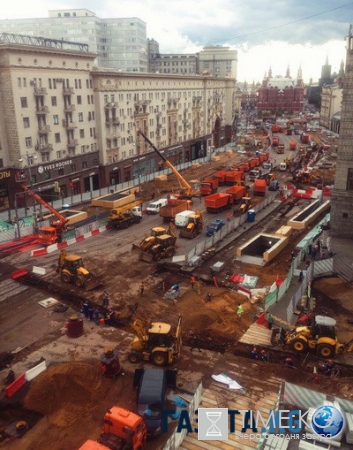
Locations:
{"points": [[218, 202], [173, 207], [293, 145], [275, 141], [234, 177], [260, 187], [209, 186], [237, 192], [254, 162], [122, 429], [220, 176]]}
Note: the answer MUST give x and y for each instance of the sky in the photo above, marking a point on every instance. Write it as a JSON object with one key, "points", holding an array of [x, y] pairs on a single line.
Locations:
{"points": [[266, 33]]}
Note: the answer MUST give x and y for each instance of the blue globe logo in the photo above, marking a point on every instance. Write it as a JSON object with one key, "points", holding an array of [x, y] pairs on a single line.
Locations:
{"points": [[327, 421]]}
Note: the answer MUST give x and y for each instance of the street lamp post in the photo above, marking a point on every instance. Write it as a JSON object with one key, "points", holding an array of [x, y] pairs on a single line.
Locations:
{"points": [[29, 160]]}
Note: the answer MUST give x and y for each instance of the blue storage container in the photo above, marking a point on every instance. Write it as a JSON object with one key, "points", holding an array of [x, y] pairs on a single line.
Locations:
{"points": [[251, 215]]}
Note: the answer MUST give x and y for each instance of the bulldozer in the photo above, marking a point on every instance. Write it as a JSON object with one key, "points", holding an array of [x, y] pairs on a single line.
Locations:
{"points": [[160, 244], [154, 341], [194, 226], [245, 205], [319, 337], [72, 270]]}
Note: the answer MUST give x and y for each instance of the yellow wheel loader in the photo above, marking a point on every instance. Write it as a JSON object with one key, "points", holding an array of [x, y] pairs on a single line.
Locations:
{"points": [[155, 341]]}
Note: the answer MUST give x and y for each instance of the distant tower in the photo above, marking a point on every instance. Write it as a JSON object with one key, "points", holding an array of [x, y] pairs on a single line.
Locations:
{"points": [[326, 77], [288, 73], [342, 195]]}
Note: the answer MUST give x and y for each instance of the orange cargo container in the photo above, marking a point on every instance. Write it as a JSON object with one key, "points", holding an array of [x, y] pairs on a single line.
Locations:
{"points": [[209, 186], [292, 145], [260, 187], [237, 192], [234, 177], [220, 176], [218, 202]]}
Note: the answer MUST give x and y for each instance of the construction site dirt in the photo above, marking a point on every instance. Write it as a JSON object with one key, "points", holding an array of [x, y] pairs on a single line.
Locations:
{"points": [[66, 403]]}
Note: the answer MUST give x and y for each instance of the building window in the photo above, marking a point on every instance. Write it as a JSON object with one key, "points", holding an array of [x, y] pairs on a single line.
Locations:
{"points": [[79, 100], [57, 137], [60, 171], [82, 134], [73, 167], [56, 120], [26, 122], [46, 173], [58, 154], [80, 117], [28, 142], [84, 165], [1, 163], [82, 149], [45, 158], [24, 102], [350, 180], [53, 101]]}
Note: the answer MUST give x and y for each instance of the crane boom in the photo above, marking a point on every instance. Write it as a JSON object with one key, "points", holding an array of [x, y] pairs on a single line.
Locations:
{"points": [[63, 220], [189, 190]]}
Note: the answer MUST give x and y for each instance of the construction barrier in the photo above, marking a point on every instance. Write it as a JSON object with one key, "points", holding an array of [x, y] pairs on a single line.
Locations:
{"points": [[12, 388]]}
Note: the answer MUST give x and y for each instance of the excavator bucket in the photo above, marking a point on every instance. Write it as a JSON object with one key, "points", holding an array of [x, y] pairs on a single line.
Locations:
{"points": [[93, 283], [135, 247], [146, 257]]}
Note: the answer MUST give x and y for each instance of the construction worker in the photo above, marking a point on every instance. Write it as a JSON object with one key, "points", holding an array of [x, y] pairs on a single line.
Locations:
{"points": [[192, 281], [253, 353], [142, 288], [240, 310], [264, 356], [289, 363], [105, 299], [270, 321], [328, 367]]}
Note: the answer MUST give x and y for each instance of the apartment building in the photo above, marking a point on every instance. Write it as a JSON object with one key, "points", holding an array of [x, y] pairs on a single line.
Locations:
{"points": [[331, 100], [64, 120], [117, 43]]}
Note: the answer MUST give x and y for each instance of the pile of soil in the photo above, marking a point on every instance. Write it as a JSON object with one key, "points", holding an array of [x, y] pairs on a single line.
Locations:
{"points": [[73, 398]]}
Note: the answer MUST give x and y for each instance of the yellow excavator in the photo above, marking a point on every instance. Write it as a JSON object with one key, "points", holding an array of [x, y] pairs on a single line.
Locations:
{"points": [[72, 270], [193, 227], [319, 337], [154, 341], [160, 244], [186, 191]]}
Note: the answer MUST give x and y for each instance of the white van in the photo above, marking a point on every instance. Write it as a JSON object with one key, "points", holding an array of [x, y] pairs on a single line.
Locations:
{"points": [[155, 207], [181, 219], [282, 166]]}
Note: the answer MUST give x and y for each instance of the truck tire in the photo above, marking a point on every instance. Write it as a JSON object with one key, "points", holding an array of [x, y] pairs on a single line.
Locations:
{"points": [[65, 277], [159, 358], [79, 281], [169, 252], [135, 357], [325, 351], [299, 345]]}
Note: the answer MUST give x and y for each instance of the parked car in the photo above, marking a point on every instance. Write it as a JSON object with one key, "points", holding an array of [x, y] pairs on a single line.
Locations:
{"points": [[274, 185], [214, 226]]}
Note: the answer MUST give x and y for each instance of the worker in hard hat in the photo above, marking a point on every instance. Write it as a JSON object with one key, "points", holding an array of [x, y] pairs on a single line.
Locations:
{"points": [[254, 354], [328, 367], [289, 363]]}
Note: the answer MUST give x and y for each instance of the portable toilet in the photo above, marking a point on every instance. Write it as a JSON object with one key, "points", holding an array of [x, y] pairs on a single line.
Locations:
{"points": [[251, 215]]}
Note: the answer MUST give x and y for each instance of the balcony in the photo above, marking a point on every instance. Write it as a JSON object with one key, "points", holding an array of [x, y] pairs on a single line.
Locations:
{"points": [[113, 135], [44, 129], [42, 110], [69, 125], [71, 143], [40, 91], [69, 108], [44, 147], [110, 105], [68, 91]]}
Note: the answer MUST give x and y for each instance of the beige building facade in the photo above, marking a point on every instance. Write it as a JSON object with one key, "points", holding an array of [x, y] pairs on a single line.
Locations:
{"points": [[64, 120], [331, 102]]}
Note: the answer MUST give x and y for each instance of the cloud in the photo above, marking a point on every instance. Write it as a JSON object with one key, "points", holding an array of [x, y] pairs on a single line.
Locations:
{"points": [[282, 32]]}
